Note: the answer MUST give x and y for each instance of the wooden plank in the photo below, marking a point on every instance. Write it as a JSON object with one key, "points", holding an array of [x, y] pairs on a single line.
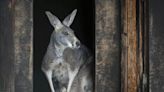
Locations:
{"points": [[132, 41], [107, 46], [23, 27], [6, 48], [156, 44], [145, 81], [16, 42], [140, 36]]}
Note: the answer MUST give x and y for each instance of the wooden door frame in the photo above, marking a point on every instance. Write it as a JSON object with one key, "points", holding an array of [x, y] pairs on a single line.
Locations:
{"points": [[135, 46]]}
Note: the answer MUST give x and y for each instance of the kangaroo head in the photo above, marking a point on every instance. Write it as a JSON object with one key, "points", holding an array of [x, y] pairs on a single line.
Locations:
{"points": [[63, 35]]}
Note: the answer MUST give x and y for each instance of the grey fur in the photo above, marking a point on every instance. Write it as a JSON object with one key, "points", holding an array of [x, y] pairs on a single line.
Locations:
{"points": [[67, 64]]}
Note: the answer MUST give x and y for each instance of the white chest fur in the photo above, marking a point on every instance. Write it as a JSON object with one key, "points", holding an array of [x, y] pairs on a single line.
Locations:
{"points": [[62, 72]]}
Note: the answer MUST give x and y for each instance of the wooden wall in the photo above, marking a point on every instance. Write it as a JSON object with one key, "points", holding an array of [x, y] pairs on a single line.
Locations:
{"points": [[107, 46], [7, 64], [129, 46], [16, 64], [156, 46]]}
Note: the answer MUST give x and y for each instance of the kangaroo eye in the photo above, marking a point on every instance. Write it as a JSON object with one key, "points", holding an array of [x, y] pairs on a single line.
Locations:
{"points": [[65, 33]]}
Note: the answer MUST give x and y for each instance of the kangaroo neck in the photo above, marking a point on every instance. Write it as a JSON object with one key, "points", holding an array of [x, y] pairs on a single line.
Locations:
{"points": [[59, 49]]}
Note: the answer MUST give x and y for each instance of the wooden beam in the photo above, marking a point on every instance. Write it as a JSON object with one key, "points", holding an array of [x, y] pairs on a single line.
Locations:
{"points": [[16, 48], [107, 46], [156, 46], [132, 41], [6, 48]]}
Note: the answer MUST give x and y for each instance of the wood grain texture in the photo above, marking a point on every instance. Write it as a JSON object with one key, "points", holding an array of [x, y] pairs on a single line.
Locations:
{"points": [[16, 46], [6, 48], [156, 45], [23, 39], [107, 46], [131, 36], [145, 82]]}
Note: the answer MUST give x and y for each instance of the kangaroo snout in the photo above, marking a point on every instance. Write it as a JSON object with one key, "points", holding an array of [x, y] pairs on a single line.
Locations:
{"points": [[78, 44]]}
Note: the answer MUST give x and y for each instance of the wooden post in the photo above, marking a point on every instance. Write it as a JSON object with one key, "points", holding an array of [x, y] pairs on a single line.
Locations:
{"points": [[107, 46], [6, 48], [156, 46], [16, 65], [132, 45]]}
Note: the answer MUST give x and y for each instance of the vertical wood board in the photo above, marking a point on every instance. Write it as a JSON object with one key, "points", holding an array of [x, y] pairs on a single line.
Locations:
{"points": [[107, 46]]}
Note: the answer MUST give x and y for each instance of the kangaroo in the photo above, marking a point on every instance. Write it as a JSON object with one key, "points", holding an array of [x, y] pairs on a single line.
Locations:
{"points": [[67, 64]]}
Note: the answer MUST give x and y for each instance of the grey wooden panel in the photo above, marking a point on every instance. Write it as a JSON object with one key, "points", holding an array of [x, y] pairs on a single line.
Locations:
{"points": [[23, 27], [156, 46], [16, 46], [6, 48], [107, 46]]}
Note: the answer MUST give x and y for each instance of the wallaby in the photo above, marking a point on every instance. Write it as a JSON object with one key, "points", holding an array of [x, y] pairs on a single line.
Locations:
{"points": [[67, 64]]}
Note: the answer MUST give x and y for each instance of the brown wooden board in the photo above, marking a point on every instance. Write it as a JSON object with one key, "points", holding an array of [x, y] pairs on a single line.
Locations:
{"points": [[132, 42], [107, 46], [16, 26]]}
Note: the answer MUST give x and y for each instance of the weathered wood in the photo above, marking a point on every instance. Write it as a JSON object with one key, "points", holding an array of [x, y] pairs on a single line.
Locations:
{"points": [[6, 48], [107, 46], [145, 81], [140, 38], [132, 41], [23, 39], [16, 46], [156, 45]]}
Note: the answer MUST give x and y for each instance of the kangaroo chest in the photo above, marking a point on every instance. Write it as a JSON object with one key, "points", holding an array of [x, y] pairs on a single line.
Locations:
{"points": [[60, 70]]}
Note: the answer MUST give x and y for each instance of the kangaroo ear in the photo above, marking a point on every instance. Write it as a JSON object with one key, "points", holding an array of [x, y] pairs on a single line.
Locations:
{"points": [[69, 19], [55, 22]]}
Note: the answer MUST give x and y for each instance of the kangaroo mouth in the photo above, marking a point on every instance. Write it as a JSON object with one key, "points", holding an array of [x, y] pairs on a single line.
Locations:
{"points": [[77, 44], [76, 47]]}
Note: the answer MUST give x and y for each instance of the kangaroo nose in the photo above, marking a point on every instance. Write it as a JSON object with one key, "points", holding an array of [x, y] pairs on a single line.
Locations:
{"points": [[78, 44]]}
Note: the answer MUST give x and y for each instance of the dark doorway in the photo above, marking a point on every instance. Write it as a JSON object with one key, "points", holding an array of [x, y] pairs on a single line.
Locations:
{"points": [[83, 26]]}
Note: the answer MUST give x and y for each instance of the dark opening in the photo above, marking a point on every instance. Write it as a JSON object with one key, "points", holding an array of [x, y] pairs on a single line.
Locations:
{"points": [[83, 26]]}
